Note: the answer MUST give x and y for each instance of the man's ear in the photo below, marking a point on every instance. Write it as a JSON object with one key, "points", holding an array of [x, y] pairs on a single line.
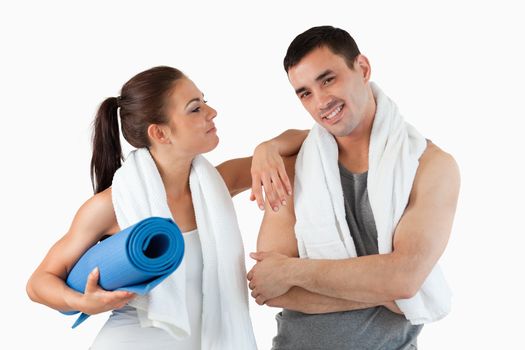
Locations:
{"points": [[362, 63], [159, 133]]}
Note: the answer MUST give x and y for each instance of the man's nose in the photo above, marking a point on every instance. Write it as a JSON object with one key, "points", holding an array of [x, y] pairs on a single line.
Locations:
{"points": [[323, 100]]}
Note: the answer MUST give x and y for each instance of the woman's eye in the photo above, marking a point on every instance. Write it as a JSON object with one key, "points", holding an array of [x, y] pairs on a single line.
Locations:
{"points": [[198, 109]]}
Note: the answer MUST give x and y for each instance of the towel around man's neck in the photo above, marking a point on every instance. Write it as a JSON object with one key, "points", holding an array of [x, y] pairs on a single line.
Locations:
{"points": [[138, 192], [321, 228]]}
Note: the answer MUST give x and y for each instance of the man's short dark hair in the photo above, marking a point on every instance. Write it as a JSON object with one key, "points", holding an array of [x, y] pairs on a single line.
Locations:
{"points": [[337, 40]]}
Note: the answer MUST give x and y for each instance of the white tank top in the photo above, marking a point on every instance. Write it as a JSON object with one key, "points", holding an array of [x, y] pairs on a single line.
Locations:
{"points": [[123, 331], [193, 256]]}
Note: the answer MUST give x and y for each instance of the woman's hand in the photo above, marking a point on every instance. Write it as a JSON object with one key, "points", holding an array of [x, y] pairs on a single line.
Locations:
{"points": [[268, 171], [96, 300]]}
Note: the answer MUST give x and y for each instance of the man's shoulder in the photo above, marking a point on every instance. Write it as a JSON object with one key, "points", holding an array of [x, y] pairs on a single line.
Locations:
{"points": [[437, 159], [436, 167]]}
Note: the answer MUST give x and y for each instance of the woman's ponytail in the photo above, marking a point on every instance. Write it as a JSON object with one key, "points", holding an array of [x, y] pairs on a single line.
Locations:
{"points": [[107, 151], [141, 103]]}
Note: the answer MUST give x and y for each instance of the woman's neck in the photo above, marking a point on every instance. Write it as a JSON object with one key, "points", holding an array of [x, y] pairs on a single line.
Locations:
{"points": [[175, 173]]}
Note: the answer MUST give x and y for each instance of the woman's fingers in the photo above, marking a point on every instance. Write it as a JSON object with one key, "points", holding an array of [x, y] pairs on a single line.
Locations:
{"points": [[280, 192], [270, 182], [97, 300], [257, 190], [271, 195], [283, 175], [92, 281]]}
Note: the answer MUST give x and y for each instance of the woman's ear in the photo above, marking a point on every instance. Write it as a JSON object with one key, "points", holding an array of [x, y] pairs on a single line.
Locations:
{"points": [[159, 134]]}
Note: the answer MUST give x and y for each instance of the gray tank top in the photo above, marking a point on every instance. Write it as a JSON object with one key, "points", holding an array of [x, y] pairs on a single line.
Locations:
{"points": [[368, 329]]}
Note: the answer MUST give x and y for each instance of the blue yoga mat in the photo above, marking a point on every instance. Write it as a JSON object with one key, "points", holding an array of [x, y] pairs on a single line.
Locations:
{"points": [[135, 259]]}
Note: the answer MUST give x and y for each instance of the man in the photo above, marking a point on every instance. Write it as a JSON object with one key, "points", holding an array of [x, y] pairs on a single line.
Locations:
{"points": [[363, 295]]}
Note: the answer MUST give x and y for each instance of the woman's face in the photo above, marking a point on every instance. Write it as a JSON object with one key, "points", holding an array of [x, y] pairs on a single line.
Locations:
{"points": [[190, 119]]}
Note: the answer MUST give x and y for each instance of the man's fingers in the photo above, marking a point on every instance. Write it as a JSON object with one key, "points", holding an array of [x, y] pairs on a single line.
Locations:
{"points": [[260, 300], [257, 256]]}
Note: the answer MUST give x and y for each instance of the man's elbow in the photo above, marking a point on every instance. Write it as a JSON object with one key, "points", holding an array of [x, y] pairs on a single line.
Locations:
{"points": [[31, 291], [406, 288], [405, 278], [407, 292]]}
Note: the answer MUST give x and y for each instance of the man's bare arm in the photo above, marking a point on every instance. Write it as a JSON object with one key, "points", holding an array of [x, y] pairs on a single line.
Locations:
{"points": [[300, 299], [277, 234], [419, 240]]}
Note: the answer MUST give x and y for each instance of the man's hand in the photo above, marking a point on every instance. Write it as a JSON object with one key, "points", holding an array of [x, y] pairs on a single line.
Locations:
{"points": [[269, 276], [392, 306]]}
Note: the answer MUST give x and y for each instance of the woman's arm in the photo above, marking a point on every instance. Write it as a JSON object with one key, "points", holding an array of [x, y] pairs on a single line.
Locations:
{"points": [[265, 164], [266, 168], [93, 220]]}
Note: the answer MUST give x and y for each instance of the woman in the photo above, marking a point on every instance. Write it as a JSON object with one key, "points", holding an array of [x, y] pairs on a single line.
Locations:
{"points": [[163, 112]]}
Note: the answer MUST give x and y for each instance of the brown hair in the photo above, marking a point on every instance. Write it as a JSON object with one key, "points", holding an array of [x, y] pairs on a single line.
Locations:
{"points": [[336, 39], [141, 102]]}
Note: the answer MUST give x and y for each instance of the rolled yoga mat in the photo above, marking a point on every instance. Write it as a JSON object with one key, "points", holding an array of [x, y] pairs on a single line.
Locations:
{"points": [[135, 259]]}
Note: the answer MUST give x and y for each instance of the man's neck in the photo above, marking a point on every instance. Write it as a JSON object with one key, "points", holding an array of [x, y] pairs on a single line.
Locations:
{"points": [[353, 148], [353, 153]]}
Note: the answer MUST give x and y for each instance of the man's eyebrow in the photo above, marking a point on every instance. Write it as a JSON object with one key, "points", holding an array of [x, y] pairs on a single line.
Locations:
{"points": [[324, 74], [300, 90], [319, 78]]}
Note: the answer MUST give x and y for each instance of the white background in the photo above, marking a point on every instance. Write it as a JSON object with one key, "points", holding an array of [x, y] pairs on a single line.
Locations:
{"points": [[454, 68]]}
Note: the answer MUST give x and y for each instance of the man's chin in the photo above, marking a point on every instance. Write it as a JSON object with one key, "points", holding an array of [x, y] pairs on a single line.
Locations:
{"points": [[337, 131]]}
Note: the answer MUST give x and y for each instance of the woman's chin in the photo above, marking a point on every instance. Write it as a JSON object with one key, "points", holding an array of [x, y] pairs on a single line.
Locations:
{"points": [[212, 145]]}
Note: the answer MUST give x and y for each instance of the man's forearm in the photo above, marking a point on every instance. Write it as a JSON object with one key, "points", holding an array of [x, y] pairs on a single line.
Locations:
{"points": [[300, 299], [369, 279]]}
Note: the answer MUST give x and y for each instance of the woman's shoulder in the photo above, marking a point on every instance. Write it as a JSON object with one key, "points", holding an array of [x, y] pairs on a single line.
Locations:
{"points": [[97, 214], [98, 204]]}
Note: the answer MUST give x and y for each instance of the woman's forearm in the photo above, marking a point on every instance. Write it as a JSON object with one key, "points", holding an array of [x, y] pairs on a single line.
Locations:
{"points": [[289, 142], [50, 290]]}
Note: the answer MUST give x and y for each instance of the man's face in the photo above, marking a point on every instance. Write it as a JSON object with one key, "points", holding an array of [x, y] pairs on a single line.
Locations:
{"points": [[335, 95]]}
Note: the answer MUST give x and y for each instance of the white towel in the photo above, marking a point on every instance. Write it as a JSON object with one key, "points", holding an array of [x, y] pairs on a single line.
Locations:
{"points": [[138, 193], [321, 228]]}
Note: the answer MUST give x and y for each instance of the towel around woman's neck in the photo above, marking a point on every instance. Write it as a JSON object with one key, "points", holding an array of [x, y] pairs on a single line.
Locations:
{"points": [[138, 192], [321, 228]]}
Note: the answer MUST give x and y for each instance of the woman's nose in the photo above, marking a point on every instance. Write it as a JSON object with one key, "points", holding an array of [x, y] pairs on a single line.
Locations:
{"points": [[212, 113]]}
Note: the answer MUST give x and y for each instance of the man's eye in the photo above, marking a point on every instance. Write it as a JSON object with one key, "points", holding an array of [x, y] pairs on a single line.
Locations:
{"points": [[304, 94], [328, 80]]}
